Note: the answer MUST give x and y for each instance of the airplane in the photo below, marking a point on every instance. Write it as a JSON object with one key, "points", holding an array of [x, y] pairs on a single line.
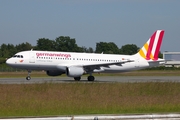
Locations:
{"points": [[75, 64]]}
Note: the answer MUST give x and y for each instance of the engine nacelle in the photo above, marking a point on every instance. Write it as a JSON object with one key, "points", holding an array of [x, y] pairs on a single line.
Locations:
{"points": [[54, 72], [74, 71]]}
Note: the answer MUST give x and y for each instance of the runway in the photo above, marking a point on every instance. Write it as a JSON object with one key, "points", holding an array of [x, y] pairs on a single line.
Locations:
{"points": [[107, 79]]}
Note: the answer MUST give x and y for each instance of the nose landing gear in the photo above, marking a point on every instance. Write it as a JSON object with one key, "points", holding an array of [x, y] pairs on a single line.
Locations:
{"points": [[28, 77]]}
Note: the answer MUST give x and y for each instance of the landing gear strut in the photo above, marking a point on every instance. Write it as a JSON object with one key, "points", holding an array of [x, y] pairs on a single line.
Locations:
{"points": [[28, 77]]}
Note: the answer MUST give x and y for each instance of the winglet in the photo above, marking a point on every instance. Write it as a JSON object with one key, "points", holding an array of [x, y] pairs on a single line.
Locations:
{"points": [[151, 48]]}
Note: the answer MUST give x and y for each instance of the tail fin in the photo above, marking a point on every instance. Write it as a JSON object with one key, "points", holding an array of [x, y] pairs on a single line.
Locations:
{"points": [[151, 48]]}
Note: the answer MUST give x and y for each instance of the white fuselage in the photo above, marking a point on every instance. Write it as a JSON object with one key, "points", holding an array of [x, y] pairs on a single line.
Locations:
{"points": [[48, 60], [76, 64]]}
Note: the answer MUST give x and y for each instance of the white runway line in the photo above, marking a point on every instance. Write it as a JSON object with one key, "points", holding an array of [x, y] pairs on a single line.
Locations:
{"points": [[109, 117]]}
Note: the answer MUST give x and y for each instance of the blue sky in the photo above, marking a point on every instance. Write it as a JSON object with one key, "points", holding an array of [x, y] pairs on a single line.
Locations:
{"points": [[90, 21]]}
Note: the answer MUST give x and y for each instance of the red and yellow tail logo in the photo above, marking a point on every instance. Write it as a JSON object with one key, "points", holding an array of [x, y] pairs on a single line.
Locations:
{"points": [[151, 48]]}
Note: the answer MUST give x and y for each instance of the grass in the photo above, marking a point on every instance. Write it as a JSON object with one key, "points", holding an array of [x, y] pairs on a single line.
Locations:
{"points": [[48, 99]]}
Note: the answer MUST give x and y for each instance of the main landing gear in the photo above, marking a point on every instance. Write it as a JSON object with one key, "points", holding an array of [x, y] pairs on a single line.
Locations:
{"points": [[89, 78], [77, 78], [28, 77]]}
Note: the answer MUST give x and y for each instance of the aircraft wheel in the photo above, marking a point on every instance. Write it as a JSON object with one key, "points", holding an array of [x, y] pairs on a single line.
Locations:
{"points": [[28, 78], [77, 78], [91, 78]]}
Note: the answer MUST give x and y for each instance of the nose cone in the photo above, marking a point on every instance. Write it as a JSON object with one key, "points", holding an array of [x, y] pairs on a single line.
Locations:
{"points": [[9, 62]]}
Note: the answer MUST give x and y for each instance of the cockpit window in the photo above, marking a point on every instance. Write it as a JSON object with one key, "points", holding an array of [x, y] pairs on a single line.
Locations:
{"points": [[18, 56]]}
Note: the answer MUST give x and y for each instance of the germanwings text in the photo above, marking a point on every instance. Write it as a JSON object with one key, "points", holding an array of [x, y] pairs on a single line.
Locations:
{"points": [[53, 55]]}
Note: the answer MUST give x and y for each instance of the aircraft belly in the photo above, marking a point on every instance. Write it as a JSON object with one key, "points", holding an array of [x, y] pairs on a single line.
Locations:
{"points": [[35, 67]]}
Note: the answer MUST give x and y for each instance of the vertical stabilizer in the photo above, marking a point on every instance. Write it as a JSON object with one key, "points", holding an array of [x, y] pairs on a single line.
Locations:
{"points": [[151, 48]]}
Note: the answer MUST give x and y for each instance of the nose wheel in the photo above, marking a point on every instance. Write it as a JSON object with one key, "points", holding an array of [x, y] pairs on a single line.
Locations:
{"points": [[28, 77]]}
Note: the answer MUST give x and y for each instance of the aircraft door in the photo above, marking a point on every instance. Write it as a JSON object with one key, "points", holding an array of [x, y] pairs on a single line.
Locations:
{"points": [[31, 57]]}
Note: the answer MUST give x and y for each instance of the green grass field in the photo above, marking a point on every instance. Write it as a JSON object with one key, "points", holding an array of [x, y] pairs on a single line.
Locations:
{"points": [[48, 99]]}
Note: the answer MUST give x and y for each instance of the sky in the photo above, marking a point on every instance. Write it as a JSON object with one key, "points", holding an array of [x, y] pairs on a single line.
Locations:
{"points": [[90, 21]]}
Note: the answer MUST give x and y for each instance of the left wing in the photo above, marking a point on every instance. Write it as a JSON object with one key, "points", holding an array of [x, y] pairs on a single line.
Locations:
{"points": [[91, 67]]}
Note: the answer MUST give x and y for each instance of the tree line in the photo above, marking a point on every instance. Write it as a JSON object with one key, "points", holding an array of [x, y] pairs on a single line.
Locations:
{"points": [[66, 44]]}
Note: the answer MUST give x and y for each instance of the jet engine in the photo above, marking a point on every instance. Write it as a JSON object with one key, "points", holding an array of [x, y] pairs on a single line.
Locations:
{"points": [[74, 71], [54, 72]]}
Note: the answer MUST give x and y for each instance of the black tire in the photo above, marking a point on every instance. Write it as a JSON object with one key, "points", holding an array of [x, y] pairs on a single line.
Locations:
{"points": [[91, 78], [28, 78], [77, 78]]}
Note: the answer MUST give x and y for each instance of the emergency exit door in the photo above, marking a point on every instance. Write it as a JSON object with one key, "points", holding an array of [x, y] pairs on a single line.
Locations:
{"points": [[31, 57]]}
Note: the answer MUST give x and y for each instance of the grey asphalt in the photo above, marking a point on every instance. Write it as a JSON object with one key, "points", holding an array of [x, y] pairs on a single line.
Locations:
{"points": [[97, 79]]}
